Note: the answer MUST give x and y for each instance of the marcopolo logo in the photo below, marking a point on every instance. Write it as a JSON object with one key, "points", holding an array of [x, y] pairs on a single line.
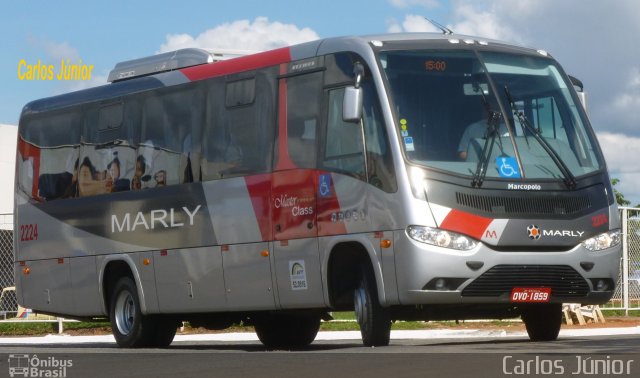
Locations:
{"points": [[534, 232], [24, 365]]}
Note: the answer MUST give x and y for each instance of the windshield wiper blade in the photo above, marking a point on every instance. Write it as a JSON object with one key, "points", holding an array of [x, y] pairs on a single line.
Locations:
{"points": [[489, 141], [493, 121], [569, 178]]}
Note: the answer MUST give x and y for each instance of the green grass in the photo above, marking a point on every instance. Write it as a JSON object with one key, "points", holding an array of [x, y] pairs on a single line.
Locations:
{"points": [[32, 328], [605, 312]]}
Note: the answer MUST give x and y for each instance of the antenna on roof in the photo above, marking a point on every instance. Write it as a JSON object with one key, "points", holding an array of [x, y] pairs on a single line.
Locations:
{"points": [[445, 30]]}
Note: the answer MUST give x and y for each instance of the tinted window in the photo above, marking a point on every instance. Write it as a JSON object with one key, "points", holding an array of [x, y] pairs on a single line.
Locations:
{"points": [[380, 172], [303, 96], [241, 92], [238, 140], [343, 151]]}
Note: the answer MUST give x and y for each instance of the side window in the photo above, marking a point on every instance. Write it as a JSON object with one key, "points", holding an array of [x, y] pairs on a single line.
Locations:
{"points": [[303, 96], [108, 148], [380, 171], [343, 150], [239, 127], [48, 155], [171, 124], [547, 118], [110, 117]]}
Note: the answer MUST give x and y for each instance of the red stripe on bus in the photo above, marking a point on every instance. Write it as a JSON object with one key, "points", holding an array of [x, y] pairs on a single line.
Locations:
{"points": [[284, 161], [465, 223], [259, 187], [27, 151], [243, 63]]}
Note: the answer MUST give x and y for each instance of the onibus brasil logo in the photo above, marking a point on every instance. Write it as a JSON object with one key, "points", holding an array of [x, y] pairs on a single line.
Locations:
{"points": [[24, 365]]}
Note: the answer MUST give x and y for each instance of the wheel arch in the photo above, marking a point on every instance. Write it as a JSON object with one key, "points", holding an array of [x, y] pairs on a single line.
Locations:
{"points": [[343, 266], [111, 269]]}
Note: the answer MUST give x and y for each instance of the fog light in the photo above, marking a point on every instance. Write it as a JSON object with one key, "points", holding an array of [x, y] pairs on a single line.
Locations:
{"points": [[441, 284], [601, 285]]}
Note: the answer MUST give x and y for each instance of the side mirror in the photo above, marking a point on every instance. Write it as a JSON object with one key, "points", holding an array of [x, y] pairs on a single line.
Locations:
{"points": [[352, 104], [579, 87]]}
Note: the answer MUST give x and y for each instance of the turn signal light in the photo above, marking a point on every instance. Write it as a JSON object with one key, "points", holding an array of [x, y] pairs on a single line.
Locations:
{"points": [[385, 243], [26, 271], [146, 261]]}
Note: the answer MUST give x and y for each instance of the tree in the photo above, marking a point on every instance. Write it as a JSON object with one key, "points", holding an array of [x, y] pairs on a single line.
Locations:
{"points": [[619, 196]]}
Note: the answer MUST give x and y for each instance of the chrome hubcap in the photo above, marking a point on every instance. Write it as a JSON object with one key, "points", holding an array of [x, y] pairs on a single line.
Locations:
{"points": [[125, 312]]}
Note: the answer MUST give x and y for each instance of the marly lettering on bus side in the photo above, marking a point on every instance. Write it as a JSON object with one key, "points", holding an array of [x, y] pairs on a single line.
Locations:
{"points": [[152, 220]]}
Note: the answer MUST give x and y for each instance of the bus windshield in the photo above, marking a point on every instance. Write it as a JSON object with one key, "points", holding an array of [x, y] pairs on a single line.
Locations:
{"points": [[509, 116]]}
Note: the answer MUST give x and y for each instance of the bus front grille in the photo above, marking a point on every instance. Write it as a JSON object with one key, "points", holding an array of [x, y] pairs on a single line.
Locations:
{"points": [[563, 280], [531, 204]]}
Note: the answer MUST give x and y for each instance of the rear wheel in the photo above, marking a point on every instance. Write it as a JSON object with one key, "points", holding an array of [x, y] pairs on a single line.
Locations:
{"points": [[543, 321], [130, 327], [166, 328], [374, 320], [287, 331]]}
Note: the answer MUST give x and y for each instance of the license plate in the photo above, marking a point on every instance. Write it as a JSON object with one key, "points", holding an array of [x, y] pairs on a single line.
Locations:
{"points": [[531, 294]]}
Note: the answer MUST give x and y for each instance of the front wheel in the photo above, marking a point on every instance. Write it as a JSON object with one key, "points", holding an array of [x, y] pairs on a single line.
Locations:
{"points": [[374, 320], [543, 321]]}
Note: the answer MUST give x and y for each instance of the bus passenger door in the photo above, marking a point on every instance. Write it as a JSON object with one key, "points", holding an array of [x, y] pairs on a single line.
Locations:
{"points": [[293, 199]]}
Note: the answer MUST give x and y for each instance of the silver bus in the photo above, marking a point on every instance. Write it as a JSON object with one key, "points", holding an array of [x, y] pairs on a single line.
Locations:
{"points": [[403, 176]]}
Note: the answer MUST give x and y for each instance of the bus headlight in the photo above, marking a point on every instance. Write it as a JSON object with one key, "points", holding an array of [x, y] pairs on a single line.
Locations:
{"points": [[603, 241], [441, 238]]}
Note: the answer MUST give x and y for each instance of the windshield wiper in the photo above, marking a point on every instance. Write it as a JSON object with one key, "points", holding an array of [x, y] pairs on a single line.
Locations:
{"points": [[569, 178], [493, 121]]}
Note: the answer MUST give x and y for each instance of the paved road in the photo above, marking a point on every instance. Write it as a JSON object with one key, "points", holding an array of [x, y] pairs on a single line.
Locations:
{"points": [[483, 356]]}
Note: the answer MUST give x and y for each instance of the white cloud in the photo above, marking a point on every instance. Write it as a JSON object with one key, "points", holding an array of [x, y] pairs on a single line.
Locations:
{"points": [[412, 23], [487, 24], [619, 151], [55, 51], [413, 3], [468, 20], [259, 35], [628, 101]]}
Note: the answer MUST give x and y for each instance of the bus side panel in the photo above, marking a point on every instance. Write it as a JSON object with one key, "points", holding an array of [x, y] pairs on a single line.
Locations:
{"points": [[247, 277], [47, 287], [354, 211], [297, 266], [86, 291], [190, 280]]}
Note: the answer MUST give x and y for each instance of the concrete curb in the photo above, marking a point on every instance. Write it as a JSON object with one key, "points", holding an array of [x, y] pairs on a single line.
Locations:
{"points": [[326, 336]]}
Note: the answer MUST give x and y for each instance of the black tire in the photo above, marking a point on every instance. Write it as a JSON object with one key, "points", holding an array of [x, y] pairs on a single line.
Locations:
{"points": [[543, 321], [130, 327], [287, 331], [374, 320], [166, 328]]}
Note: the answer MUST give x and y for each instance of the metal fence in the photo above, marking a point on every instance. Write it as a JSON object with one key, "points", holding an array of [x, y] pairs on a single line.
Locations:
{"points": [[8, 303], [626, 296]]}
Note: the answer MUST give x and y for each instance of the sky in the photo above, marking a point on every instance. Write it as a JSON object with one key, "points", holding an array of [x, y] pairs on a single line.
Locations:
{"points": [[594, 40]]}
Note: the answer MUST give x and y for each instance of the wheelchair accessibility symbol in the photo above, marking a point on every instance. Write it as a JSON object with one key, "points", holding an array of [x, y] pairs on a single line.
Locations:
{"points": [[324, 187], [507, 167]]}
